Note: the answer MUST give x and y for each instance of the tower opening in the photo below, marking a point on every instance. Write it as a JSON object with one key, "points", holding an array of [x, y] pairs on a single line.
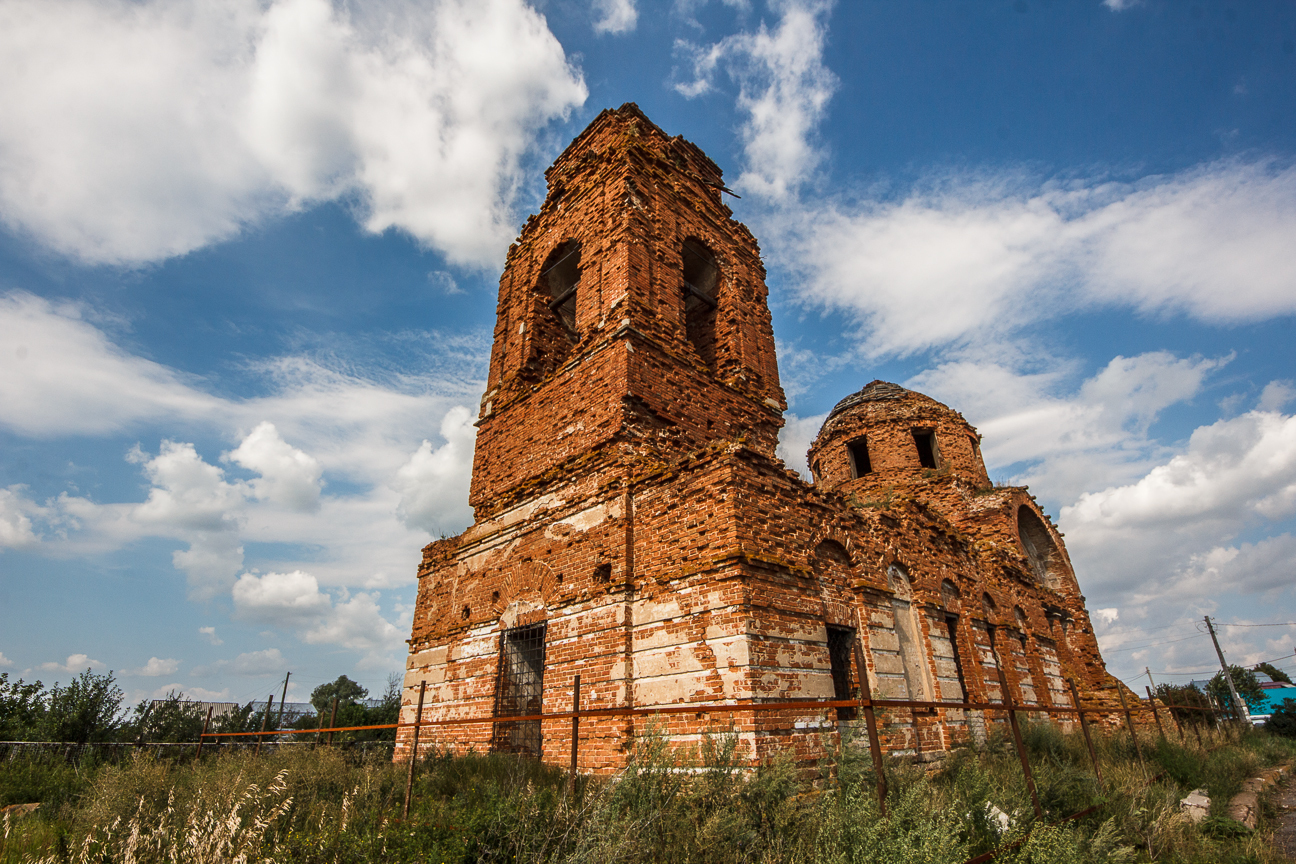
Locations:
{"points": [[925, 441], [559, 278], [860, 465], [701, 284], [1040, 551]]}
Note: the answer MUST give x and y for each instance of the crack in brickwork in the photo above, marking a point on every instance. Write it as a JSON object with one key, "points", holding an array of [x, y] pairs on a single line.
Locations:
{"points": [[627, 496]]}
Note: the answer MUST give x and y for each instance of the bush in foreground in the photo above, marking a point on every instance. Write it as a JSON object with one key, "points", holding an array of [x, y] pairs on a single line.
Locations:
{"points": [[329, 805]]}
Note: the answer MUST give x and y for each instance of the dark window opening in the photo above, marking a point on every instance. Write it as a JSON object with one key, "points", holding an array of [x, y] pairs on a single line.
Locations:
{"points": [[841, 644], [701, 286], [951, 627], [603, 574], [860, 465], [559, 278], [520, 690], [925, 440]]}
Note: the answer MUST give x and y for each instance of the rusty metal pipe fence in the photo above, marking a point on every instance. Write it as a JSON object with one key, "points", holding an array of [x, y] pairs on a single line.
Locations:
{"points": [[866, 705]]}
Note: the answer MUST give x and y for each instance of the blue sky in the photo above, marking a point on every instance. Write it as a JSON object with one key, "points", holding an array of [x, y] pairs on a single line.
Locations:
{"points": [[249, 251]]}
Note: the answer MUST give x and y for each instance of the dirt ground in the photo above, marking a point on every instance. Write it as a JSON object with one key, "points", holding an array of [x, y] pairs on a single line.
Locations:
{"points": [[1285, 835]]}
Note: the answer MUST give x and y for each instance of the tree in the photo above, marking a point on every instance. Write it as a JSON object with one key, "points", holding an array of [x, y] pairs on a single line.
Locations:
{"points": [[1248, 687], [22, 709], [235, 720], [87, 709], [1182, 699], [1283, 720], [346, 691], [1273, 672], [170, 720]]}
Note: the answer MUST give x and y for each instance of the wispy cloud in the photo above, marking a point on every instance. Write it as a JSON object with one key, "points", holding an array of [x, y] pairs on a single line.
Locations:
{"points": [[784, 88]]}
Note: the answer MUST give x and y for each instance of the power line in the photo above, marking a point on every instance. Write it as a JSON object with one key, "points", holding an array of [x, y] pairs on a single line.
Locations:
{"points": [[1152, 644], [1282, 624]]}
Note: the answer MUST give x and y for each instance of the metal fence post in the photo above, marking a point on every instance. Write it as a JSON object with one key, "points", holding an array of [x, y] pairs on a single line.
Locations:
{"points": [[1084, 727], [206, 723], [575, 744], [1017, 739], [870, 723], [264, 717], [409, 780], [1129, 722]]}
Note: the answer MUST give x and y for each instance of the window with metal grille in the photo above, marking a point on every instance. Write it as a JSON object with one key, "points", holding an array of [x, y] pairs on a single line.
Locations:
{"points": [[841, 644], [520, 690]]}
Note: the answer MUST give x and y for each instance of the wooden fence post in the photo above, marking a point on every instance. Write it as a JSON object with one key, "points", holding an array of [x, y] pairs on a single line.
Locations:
{"points": [[332, 721], [1129, 723], [1152, 702], [1084, 727], [1017, 739], [409, 780], [319, 733], [206, 723], [264, 717], [575, 744], [870, 723]]}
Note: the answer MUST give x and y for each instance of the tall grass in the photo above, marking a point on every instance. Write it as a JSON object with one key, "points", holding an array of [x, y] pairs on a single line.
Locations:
{"points": [[703, 805]]}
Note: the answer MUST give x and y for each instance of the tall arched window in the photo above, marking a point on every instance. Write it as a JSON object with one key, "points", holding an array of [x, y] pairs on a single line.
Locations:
{"points": [[701, 287], [559, 278], [1041, 552], [552, 321]]}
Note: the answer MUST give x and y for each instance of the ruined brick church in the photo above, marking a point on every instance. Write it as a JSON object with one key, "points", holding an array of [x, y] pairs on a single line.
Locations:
{"points": [[635, 527]]}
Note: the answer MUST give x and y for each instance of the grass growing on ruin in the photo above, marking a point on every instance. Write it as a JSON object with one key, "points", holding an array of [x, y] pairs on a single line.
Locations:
{"points": [[331, 806]]}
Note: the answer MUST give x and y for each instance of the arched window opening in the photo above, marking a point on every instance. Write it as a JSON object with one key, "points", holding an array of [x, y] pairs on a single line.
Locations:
{"points": [[833, 551], [701, 289], [949, 596], [1041, 552], [559, 279], [898, 578]]}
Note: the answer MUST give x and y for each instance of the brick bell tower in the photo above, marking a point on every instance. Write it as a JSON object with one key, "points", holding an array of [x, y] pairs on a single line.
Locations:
{"points": [[633, 344], [633, 525]]}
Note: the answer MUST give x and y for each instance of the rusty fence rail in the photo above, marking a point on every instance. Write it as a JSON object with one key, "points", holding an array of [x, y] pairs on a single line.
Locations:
{"points": [[865, 704]]}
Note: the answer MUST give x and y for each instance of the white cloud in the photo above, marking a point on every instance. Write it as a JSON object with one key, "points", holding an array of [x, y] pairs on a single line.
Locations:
{"points": [[155, 668], [1066, 439], [983, 256], [75, 665], [280, 598], [60, 375], [210, 633], [251, 664], [5, 662], [784, 89], [289, 477], [15, 518], [1168, 533], [1107, 616], [795, 438], [1276, 395], [138, 131], [295, 600], [357, 623], [1119, 5], [424, 480], [614, 16], [359, 431]]}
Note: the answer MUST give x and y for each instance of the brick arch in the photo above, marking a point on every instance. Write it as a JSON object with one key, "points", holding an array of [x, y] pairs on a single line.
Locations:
{"points": [[840, 538], [526, 590]]}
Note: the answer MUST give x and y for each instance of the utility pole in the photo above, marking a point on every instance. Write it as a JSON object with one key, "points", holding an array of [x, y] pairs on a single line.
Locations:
{"points": [[1238, 705], [282, 701]]}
